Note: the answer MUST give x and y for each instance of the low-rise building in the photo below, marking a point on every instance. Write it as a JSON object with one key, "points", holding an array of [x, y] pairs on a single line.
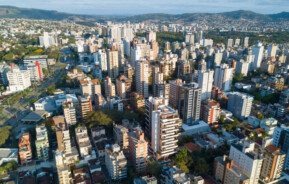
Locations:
{"points": [[25, 151]]}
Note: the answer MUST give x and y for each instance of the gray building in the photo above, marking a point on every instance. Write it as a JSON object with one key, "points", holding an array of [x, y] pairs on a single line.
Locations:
{"points": [[240, 104]]}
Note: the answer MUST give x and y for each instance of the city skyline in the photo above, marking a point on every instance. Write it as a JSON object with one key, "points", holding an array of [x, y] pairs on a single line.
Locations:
{"points": [[130, 7]]}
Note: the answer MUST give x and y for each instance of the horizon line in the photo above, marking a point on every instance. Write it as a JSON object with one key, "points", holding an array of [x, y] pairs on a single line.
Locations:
{"points": [[82, 14]]}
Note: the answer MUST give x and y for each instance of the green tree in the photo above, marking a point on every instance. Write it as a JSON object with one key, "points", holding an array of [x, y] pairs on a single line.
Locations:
{"points": [[8, 166], [51, 89], [8, 57], [183, 159], [238, 77], [201, 166], [45, 72], [2, 88], [96, 118], [222, 119], [260, 116], [4, 134], [154, 168]]}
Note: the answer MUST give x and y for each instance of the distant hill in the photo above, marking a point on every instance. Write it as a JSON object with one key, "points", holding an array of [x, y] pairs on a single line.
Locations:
{"points": [[187, 17], [15, 12]]}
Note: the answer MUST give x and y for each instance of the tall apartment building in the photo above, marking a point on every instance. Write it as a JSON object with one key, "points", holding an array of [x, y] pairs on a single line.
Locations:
{"points": [[227, 172], [165, 125], [42, 143], [246, 42], [69, 112], [248, 158], [90, 87], [242, 67], [113, 63], [272, 50], [109, 88], [64, 174], [18, 80], [123, 86], [115, 162], [230, 43], [101, 59], [152, 104], [66, 151], [258, 52], [218, 58], [154, 52], [48, 40], [210, 111], [139, 51], [142, 78], [85, 105], [223, 77], [151, 36], [25, 151], [120, 133], [138, 150], [242, 166], [35, 70], [190, 102], [187, 99], [273, 164], [190, 39], [83, 141], [205, 81], [240, 104], [175, 92]]}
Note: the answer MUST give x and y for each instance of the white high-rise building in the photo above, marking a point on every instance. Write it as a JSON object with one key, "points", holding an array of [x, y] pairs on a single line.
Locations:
{"points": [[240, 104], [127, 33], [242, 67], [69, 112], [230, 43], [142, 77], [248, 159], [101, 59], [237, 42], [165, 125], [205, 81], [113, 63], [139, 51], [48, 40], [272, 50], [151, 36], [18, 80], [218, 58], [258, 52], [115, 162], [190, 39], [114, 32], [223, 77], [246, 42]]}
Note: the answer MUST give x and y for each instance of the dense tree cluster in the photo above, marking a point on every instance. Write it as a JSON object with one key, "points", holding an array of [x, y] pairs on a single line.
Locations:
{"points": [[4, 134]]}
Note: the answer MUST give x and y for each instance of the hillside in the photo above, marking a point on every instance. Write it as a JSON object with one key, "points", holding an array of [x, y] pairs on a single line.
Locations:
{"points": [[15, 12]]}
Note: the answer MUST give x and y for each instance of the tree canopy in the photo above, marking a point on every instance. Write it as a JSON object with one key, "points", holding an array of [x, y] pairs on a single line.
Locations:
{"points": [[183, 160], [98, 118], [4, 134], [154, 168]]}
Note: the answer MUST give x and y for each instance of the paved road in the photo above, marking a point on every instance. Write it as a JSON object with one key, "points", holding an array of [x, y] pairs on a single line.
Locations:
{"points": [[34, 166], [21, 109]]}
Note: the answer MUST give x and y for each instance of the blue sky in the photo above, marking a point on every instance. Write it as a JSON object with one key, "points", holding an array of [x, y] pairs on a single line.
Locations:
{"points": [[125, 7]]}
